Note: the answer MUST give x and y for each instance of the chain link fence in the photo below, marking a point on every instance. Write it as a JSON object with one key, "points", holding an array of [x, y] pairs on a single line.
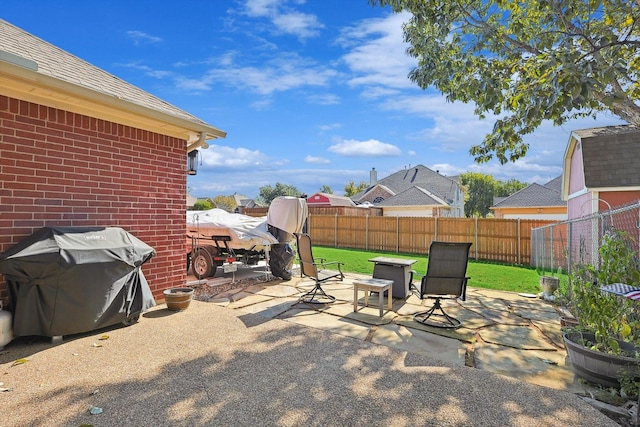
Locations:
{"points": [[567, 244]]}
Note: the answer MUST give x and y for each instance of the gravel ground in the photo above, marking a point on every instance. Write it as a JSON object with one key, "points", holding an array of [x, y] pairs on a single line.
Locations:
{"points": [[209, 365]]}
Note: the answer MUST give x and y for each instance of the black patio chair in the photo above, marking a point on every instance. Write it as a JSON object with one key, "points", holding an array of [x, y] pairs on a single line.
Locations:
{"points": [[317, 269], [445, 278]]}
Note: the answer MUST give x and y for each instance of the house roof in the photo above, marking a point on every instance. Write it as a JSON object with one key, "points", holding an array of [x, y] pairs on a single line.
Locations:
{"points": [[610, 156], [413, 196], [534, 195], [418, 176], [36, 70]]}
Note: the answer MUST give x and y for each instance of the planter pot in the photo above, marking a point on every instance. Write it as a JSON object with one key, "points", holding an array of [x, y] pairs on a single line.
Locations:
{"points": [[549, 284], [596, 366], [178, 298]]}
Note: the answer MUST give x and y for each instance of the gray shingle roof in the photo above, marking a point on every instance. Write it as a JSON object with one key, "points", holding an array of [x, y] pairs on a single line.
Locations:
{"points": [[535, 195], [55, 62], [419, 176], [555, 184], [413, 196], [611, 156]]}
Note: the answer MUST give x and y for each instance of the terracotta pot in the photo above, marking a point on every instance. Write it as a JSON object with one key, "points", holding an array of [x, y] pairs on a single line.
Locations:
{"points": [[178, 299], [596, 366]]}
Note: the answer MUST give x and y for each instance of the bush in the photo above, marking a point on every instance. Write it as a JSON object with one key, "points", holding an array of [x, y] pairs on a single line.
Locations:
{"points": [[609, 317]]}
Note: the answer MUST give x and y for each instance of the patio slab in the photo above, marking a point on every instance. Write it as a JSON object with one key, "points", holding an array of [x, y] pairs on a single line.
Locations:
{"points": [[327, 322], [520, 337], [546, 368], [449, 350]]}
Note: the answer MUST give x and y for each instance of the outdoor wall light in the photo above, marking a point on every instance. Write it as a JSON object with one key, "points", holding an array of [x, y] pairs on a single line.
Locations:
{"points": [[192, 165]]}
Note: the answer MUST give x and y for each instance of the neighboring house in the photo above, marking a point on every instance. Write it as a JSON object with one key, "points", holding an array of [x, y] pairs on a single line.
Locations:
{"points": [[191, 200], [243, 202], [601, 169], [81, 147], [417, 191], [533, 202], [325, 199]]}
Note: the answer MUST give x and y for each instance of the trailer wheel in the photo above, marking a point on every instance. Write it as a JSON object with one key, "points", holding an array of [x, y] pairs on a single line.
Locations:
{"points": [[202, 264]]}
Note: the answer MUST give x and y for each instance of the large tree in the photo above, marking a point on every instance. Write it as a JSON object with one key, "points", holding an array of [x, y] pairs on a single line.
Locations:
{"points": [[527, 61], [268, 193], [351, 189], [480, 190], [227, 203], [507, 188]]}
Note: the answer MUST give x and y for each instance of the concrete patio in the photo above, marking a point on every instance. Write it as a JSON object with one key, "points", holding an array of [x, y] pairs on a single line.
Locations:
{"points": [[503, 332], [253, 356]]}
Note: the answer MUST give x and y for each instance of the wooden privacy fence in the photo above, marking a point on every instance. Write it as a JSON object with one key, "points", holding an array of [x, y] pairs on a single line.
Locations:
{"points": [[500, 240]]}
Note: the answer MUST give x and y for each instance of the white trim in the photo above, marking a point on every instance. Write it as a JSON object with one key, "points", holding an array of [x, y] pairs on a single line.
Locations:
{"points": [[611, 189], [578, 193]]}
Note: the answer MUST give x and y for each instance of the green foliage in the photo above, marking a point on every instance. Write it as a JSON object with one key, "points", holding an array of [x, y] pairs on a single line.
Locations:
{"points": [[527, 61], [609, 317], [351, 189], [268, 193], [504, 189], [326, 189], [228, 203], [480, 190], [202, 205]]}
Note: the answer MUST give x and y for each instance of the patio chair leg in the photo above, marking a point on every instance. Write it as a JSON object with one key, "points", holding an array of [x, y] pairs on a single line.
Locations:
{"points": [[310, 297], [423, 317]]}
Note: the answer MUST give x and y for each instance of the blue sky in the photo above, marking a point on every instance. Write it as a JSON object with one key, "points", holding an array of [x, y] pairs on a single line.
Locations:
{"points": [[310, 93]]}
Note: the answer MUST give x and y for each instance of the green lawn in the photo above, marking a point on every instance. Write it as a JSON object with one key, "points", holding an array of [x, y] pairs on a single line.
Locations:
{"points": [[483, 274]]}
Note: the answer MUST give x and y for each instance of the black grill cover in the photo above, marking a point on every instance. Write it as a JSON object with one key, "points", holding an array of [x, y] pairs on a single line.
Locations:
{"points": [[67, 280]]}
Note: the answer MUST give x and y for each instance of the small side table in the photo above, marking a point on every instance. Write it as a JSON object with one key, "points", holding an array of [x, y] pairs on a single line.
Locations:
{"points": [[375, 285]]}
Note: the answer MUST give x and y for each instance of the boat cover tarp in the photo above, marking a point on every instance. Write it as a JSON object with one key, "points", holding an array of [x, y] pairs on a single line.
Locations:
{"points": [[246, 232], [67, 280], [288, 214]]}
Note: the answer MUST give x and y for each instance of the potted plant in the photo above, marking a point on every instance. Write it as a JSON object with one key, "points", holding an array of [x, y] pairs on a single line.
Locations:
{"points": [[549, 283], [606, 345]]}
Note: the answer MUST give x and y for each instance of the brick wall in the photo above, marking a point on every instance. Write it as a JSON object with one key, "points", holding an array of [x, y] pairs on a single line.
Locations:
{"points": [[63, 169]]}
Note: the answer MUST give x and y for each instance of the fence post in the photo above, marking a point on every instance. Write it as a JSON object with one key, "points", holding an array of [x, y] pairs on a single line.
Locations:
{"points": [[397, 234], [519, 255], [553, 252], [366, 233], [435, 232], [476, 236], [569, 251], [335, 232]]}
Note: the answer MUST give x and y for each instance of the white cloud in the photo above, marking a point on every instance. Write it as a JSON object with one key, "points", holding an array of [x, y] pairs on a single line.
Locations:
{"points": [[325, 128], [302, 25], [284, 18], [317, 160], [369, 148], [222, 157], [283, 72], [140, 37], [377, 55], [324, 99]]}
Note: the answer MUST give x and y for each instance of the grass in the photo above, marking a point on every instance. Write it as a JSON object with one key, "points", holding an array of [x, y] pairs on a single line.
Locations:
{"points": [[483, 274]]}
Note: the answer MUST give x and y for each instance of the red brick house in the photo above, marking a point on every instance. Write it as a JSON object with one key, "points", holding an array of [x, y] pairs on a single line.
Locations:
{"points": [[81, 147]]}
